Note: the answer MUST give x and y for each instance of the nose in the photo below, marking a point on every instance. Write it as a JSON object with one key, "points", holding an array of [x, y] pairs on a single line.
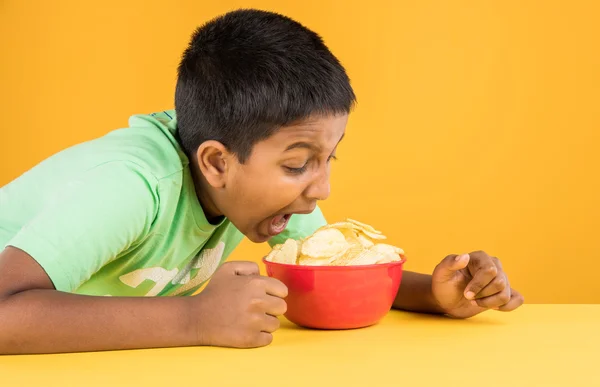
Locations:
{"points": [[319, 188]]}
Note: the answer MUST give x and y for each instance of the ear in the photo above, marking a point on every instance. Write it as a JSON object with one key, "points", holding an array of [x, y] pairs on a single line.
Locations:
{"points": [[213, 161]]}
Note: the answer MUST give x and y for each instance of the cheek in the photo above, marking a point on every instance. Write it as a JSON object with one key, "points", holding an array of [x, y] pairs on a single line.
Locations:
{"points": [[267, 192], [283, 192]]}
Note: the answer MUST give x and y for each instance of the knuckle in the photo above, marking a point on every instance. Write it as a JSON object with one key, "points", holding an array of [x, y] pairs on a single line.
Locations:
{"points": [[482, 303], [256, 304], [275, 325], [257, 282], [279, 307], [283, 307], [284, 291], [504, 297], [279, 286], [257, 319], [492, 270], [476, 287], [249, 266], [500, 283]]}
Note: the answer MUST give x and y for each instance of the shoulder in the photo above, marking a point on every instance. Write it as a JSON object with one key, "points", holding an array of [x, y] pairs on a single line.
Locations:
{"points": [[149, 142]]}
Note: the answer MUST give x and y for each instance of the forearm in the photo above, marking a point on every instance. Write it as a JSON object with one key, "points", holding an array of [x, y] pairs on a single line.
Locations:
{"points": [[415, 294], [48, 321]]}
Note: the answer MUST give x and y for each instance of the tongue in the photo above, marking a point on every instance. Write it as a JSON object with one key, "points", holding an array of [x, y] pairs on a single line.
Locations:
{"points": [[278, 221], [278, 224]]}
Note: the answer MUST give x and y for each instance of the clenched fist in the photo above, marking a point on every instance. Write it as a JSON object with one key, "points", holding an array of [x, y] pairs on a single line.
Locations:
{"points": [[239, 307]]}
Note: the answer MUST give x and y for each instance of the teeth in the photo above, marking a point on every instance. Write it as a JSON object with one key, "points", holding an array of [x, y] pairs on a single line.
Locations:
{"points": [[281, 221]]}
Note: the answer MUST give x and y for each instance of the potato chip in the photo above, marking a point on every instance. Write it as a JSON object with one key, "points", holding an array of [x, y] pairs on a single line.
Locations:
{"points": [[365, 241], [340, 226], [389, 258], [274, 251], [310, 261], [357, 227], [290, 249], [337, 244], [372, 235], [364, 226], [351, 236], [367, 257], [346, 256], [349, 233], [286, 253], [387, 249], [324, 243]]}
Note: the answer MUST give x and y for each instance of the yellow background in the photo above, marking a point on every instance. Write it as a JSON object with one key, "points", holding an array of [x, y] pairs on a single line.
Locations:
{"points": [[477, 124]]}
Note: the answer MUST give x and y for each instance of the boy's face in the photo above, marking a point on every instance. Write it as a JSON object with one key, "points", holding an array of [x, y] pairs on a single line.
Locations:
{"points": [[285, 174]]}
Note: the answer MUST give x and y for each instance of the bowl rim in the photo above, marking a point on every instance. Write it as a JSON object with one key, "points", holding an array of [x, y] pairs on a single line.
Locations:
{"points": [[340, 268]]}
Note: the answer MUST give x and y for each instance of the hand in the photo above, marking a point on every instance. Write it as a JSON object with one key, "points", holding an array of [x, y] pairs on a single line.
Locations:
{"points": [[468, 284], [239, 308]]}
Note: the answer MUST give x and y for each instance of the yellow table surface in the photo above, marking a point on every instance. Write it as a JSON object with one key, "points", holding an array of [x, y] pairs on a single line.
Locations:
{"points": [[537, 345]]}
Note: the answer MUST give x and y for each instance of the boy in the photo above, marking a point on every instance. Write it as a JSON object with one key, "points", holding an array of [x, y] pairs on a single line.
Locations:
{"points": [[154, 209]]}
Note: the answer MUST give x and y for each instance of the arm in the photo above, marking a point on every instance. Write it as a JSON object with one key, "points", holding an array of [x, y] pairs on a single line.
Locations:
{"points": [[415, 294], [35, 318], [83, 226]]}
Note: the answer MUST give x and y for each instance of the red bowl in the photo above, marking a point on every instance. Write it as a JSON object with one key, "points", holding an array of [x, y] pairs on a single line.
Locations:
{"points": [[338, 297]]}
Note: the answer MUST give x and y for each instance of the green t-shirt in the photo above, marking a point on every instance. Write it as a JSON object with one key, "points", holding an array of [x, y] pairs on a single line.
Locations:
{"points": [[119, 216]]}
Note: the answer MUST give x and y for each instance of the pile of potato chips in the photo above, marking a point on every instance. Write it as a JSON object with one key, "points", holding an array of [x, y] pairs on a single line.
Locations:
{"points": [[339, 244]]}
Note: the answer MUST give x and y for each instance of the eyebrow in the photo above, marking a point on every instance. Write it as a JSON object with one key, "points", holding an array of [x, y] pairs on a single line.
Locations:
{"points": [[306, 145]]}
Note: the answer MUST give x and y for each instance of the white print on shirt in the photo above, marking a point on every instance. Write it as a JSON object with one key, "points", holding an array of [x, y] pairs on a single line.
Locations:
{"points": [[207, 261]]}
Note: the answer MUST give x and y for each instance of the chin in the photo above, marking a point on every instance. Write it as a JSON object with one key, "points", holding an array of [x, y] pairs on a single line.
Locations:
{"points": [[256, 237]]}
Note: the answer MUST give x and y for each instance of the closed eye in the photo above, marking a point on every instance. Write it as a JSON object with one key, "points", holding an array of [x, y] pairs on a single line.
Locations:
{"points": [[302, 169], [297, 171]]}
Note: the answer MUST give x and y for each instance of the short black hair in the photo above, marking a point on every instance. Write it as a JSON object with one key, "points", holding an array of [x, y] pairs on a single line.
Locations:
{"points": [[247, 73]]}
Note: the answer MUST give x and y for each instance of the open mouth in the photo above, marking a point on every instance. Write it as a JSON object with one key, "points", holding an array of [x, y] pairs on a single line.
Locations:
{"points": [[278, 224]]}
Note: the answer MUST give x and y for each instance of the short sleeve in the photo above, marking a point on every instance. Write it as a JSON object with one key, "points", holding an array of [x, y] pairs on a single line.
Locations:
{"points": [[300, 226], [89, 222]]}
